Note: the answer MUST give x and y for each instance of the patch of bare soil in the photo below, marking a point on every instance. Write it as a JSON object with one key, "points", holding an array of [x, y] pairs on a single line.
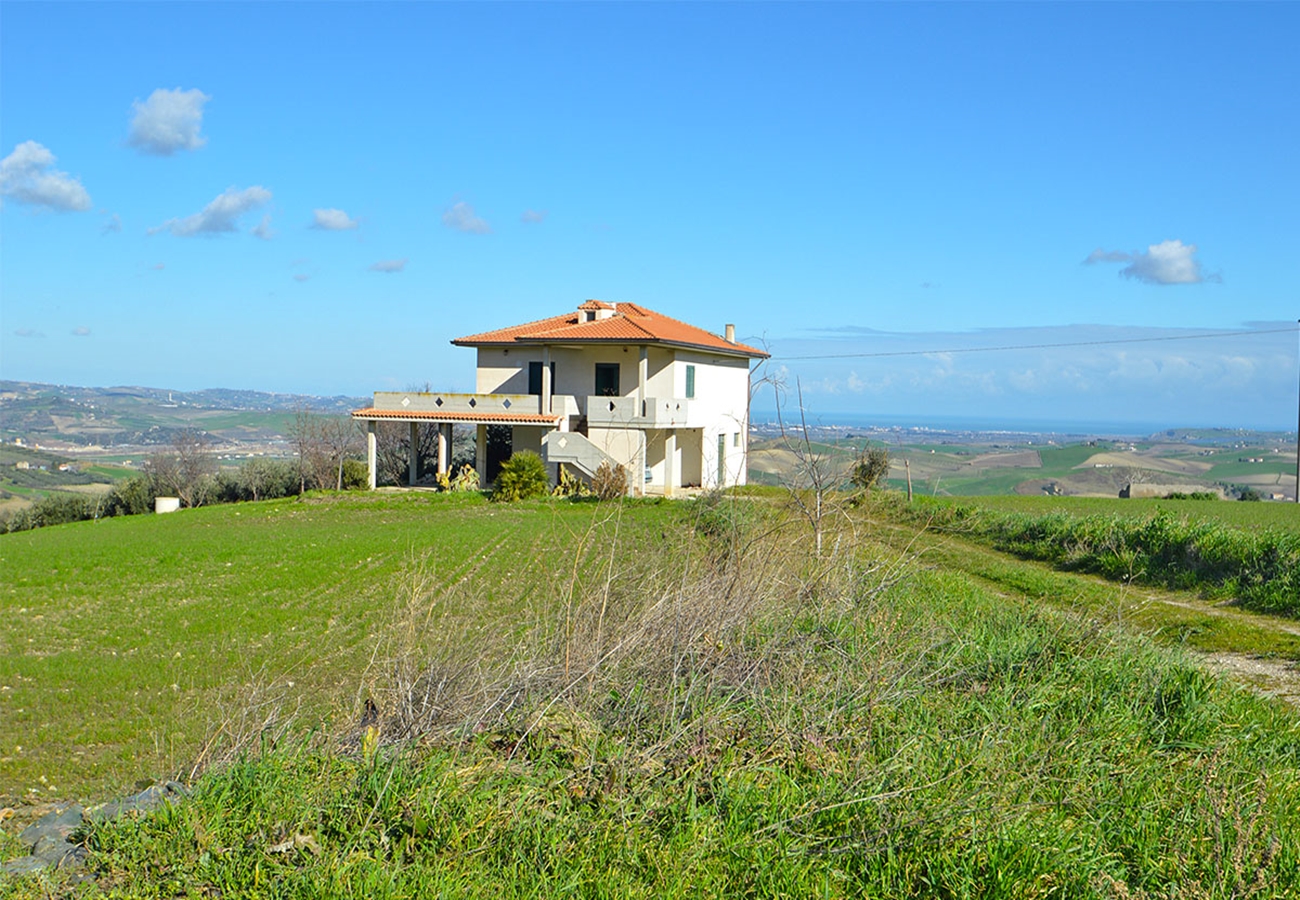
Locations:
{"points": [[1270, 677], [1019, 459], [774, 461], [1143, 461]]}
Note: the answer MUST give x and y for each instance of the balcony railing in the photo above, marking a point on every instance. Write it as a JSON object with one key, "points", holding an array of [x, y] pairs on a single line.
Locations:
{"points": [[653, 412], [438, 401]]}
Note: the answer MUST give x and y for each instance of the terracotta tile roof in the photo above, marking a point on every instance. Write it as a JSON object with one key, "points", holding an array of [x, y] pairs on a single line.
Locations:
{"points": [[630, 323], [486, 417]]}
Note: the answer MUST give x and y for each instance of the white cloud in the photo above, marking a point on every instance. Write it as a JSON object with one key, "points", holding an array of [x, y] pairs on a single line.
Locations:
{"points": [[28, 333], [219, 216], [28, 176], [1168, 262], [168, 121], [533, 216], [81, 331], [113, 225], [263, 228], [389, 265], [332, 220], [461, 217], [300, 277]]}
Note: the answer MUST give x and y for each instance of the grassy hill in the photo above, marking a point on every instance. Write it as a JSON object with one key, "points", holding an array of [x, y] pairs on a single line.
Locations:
{"points": [[646, 699]]}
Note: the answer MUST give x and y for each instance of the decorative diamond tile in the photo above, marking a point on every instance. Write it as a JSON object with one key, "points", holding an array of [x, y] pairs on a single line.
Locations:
{"points": [[563, 442], [406, 401], [472, 402], [438, 402], [506, 403]]}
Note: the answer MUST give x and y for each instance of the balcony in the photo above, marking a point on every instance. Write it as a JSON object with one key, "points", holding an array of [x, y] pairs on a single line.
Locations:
{"points": [[627, 412]]}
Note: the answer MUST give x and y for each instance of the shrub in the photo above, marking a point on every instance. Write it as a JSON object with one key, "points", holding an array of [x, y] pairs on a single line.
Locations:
{"points": [[466, 479], [610, 482], [267, 479], [133, 497], [871, 468], [571, 485], [356, 475], [522, 477]]}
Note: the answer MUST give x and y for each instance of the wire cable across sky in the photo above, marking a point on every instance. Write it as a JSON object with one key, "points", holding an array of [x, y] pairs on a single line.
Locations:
{"points": [[1096, 343]]}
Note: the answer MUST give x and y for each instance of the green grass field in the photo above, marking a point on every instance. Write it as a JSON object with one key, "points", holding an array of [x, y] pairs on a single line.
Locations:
{"points": [[123, 640], [636, 700], [1284, 516]]}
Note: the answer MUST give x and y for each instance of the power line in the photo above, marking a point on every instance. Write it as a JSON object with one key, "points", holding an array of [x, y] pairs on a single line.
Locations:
{"points": [[1147, 340]]}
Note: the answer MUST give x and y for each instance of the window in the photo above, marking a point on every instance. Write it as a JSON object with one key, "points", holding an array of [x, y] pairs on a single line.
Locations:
{"points": [[607, 380], [535, 378], [735, 439], [690, 382], [722, 460]]}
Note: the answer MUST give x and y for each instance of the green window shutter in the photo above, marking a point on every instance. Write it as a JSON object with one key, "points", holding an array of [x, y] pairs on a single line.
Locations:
{"points": [[690, 382]]}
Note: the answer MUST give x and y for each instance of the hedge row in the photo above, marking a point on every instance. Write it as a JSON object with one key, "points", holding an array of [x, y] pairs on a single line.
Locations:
{"points": [[1259, 570]]}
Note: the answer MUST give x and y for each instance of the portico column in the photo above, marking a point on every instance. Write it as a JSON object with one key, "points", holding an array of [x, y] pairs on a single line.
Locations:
{"points": [[480, 454], [670, 461], [444, 442], [547, 387], [370, 451], [414, 464]]}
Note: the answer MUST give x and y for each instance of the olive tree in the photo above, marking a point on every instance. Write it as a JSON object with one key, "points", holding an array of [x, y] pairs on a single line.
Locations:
{"points": [[186, 469]]}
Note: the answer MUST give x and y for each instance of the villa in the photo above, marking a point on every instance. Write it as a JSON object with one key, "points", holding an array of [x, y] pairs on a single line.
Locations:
{"points": [[612, 383]]}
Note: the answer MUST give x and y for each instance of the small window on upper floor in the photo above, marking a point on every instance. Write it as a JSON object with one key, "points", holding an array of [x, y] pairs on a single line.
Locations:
{"points": [[535, 378], [690, 382], [735, 439], [607, 380]]}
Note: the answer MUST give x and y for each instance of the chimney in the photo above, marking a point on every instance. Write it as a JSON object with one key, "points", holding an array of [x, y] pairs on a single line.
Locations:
{"points": [[731, 334]]}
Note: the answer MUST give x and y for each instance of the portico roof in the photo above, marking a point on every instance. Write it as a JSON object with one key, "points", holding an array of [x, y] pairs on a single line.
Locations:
{"points": [[461, 418]]}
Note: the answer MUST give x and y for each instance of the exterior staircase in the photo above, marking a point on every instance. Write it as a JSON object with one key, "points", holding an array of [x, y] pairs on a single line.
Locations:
{"points": [[573, 449]]}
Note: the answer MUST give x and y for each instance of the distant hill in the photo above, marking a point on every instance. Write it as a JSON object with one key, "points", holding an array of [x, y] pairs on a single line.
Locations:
{"points": [[132, 415]]}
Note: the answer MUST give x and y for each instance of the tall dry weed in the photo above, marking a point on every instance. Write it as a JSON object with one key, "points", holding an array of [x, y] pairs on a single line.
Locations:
{"points": [[648, 637]]}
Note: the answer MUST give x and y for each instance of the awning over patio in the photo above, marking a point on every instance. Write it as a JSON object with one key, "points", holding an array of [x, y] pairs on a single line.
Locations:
{"points": [[455, 418]]}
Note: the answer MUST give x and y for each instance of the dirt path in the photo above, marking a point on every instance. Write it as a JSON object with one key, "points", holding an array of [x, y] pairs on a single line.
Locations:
{"points": [[1270, 677]]}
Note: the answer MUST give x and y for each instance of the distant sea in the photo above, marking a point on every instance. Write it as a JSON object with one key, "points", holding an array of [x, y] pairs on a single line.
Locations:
{"points": [[994, 426]]}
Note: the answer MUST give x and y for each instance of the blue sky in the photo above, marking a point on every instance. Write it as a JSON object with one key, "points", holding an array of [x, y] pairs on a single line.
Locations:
{"points": [[318, 197]]}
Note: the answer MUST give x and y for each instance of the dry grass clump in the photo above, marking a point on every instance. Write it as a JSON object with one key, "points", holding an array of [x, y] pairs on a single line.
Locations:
{"points": [[651, 640]]}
